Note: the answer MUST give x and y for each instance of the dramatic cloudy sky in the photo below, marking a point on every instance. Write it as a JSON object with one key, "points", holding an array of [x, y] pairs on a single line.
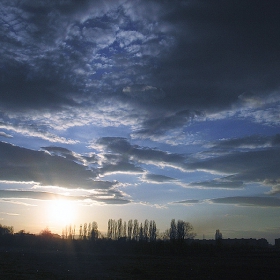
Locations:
{"points": [[141, 109]]}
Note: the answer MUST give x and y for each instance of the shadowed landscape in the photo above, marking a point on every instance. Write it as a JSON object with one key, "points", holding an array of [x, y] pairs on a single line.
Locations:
{"points": [[45, 263], [48, 256], [145, 109]]}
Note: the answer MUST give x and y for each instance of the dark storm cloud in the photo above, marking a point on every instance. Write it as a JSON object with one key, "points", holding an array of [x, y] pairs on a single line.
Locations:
{"points": [[38, 62], [24, 165], [249, 201], [244, 160], [136, 153], [251, 165], [172, 61], [160, 125], [222, 49], [249, 142], [235, 163]]}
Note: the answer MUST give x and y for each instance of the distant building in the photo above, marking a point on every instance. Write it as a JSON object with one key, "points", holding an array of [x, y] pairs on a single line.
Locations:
{"points": [[236, 242], [251, 242], [277, 242], [218, 235]]}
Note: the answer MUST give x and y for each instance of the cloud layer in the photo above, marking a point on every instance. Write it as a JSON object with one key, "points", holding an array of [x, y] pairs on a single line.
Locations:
{"points": [[92, 90], [172, 62]]}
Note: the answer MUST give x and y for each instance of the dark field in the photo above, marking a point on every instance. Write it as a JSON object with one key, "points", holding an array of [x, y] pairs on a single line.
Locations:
{"points": [[43, 264]]}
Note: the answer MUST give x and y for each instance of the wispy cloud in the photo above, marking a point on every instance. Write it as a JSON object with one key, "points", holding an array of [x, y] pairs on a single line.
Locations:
{"points": [[9, 214], [249, 201]]}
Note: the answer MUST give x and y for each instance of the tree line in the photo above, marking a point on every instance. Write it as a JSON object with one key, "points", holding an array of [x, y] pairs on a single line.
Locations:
{"points": [[86, 231], [131, 230]]}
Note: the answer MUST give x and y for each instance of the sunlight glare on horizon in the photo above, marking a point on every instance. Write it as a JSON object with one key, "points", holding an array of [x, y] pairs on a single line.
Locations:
{"points": [[62, 211]]}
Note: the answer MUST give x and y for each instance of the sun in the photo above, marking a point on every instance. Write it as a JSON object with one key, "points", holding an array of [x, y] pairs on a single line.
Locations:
{"points": [[62, 211]]}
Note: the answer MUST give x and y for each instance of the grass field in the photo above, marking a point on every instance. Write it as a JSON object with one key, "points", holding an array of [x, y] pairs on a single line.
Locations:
{"points": [[38, 264]]}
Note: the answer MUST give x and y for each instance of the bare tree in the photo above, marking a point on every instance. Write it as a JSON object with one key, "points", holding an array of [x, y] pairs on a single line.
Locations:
{"points": [[135, 232], [173, 230], [110, 226], [85, 231], [124, 229], [69, 232], [6, 230], [120, 229], [66, 232], [129, 229], [74, 230], [180, 230], [146, 230], [115, 229], [89, 231], [141, 233], [94, 231], [153, 231], [81, 232]]}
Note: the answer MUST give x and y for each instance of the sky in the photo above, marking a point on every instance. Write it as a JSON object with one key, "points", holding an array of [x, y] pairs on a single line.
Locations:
{"points": [[141, 110]]}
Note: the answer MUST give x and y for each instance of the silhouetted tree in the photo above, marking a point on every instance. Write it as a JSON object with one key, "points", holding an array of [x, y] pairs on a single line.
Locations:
{"points": [[153, 231], [81, 232], [141, 233], [110, 229], [85, 231], [180, 231], [46, 233], [70, 232], [89, 231], [135, 231], [124, 229], [120, 229], [115, 229], [129, 229], [173, 230], [6, 230], [146, 230], [165, 235], [74, 231], [66, 232], [188, 231], [94, 231]]}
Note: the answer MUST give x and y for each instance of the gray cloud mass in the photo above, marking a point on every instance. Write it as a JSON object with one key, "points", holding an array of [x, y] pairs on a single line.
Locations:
{"points": [[144, 70], [61, 55], [24, 165]]}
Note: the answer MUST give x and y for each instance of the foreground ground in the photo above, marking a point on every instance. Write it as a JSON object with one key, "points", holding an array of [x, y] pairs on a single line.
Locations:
{"points": [[31, 264]]}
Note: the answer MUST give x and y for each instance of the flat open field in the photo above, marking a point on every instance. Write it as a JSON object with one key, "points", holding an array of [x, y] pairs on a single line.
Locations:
{"points": [[30, 264]]}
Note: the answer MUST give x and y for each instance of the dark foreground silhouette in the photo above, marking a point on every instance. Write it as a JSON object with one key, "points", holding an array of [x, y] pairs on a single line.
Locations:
{"points": [[41, 257]]}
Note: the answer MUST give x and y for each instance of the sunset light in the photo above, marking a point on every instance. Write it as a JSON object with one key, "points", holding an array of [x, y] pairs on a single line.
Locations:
{"points": [[61, 212], [142, 109]]}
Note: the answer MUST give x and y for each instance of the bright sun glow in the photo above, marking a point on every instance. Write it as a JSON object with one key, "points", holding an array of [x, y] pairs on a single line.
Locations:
{"points": [[62, 211]]}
